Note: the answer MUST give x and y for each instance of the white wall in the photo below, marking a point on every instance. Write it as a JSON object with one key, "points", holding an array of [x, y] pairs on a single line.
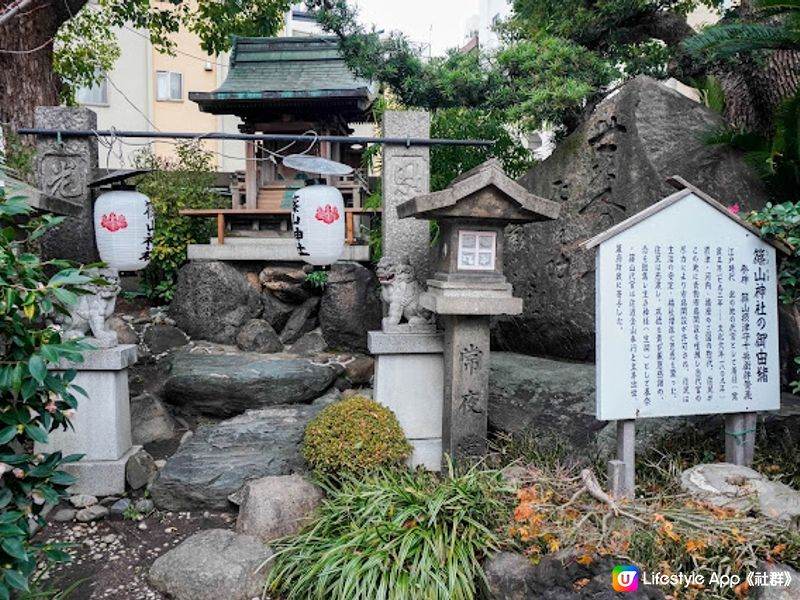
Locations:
{"points": [[231, 152], [131, 78]]}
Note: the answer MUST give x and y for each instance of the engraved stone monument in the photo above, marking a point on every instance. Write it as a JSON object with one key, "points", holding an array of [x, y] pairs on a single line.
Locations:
{"points": [[687, 322], [64, 168], [406, 173], [469, 287], [102, 423]]}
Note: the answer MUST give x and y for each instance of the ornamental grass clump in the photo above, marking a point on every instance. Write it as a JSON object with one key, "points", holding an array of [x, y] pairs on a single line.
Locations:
{"points": [[395, 535], [356, 434]]}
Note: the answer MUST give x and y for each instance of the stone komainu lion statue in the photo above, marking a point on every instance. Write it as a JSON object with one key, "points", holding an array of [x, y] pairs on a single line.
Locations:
{"points": [[400, 292], [92, 310]]}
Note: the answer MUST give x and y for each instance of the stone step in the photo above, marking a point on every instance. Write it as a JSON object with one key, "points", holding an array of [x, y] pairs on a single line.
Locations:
{"points": [[263, 249], [225, 384], [219, 459]]}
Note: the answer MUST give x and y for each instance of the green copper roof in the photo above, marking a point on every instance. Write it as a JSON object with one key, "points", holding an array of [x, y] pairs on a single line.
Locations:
{"points": [[282, 73]]}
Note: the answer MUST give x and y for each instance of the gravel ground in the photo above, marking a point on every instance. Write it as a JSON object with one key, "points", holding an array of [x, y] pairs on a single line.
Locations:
{"points": [[112, 557]]}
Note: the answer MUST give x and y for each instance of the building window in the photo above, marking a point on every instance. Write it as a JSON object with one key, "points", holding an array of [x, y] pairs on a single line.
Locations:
{"points": [[477, 250], [96, 95], [169, 86]]}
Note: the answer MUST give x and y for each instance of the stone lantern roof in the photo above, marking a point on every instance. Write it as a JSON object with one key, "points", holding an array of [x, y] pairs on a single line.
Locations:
{"points": [[485, 193]]}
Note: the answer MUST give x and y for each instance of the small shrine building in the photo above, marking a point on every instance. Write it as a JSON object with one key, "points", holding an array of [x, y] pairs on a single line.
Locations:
{"points": [[290, 85]]}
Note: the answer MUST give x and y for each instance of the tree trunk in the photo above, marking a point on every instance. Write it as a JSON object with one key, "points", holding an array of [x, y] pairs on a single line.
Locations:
{"points": [[756, 86], [27, 79]]}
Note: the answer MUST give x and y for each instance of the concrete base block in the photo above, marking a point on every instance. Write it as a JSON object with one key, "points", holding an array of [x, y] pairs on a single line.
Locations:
{"points": [[102, 423], [427, 454], [100, 477], [409, 380]]}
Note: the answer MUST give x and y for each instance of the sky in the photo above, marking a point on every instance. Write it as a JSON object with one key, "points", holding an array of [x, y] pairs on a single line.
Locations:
{"points": [[442, 22]]}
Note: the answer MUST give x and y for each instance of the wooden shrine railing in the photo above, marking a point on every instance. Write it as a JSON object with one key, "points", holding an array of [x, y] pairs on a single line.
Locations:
{"points": [[277, 195], [222, 214]]}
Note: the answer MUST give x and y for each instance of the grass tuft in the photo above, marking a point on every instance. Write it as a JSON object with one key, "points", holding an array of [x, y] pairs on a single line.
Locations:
{"points": [[396, 534]]}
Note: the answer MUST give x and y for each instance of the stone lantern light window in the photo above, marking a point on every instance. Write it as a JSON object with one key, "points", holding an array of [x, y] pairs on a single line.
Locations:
{"points": [[477, 250]]}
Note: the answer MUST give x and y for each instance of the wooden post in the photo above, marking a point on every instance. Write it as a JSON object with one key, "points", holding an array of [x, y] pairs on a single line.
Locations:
{"points": [[740, 438], [350, 237], [221, 229], [626, 454]]}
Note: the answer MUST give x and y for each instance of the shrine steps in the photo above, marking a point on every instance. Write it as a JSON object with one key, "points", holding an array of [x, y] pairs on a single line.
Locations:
{"points": [[262, 249]]}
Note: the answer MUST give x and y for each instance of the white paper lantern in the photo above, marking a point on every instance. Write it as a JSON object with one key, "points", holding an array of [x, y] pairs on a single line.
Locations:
{"points": [[123, 229], [318, 221]]}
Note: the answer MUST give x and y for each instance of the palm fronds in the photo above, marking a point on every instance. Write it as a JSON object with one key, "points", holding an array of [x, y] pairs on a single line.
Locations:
{"points": [[724, 41]]}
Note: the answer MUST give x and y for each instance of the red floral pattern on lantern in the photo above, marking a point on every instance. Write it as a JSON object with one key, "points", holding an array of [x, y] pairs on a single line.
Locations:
{"points": [[327, 214], [113, 222]]}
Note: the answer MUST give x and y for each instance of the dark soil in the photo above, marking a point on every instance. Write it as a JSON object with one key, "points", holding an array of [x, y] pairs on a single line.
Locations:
{"points": [[111, 558]]}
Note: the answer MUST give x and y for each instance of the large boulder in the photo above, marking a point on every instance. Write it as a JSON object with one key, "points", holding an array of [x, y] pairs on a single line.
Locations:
{"points": [[274, 507], [219, 459], [229, 383], [511, 576], [350, 307], [544, 397], [213, 300], [556, 399], [612, 167], [212, 565]]}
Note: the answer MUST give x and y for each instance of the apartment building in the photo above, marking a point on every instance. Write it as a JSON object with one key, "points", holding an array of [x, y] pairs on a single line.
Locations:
{"points": [[149, 91]]}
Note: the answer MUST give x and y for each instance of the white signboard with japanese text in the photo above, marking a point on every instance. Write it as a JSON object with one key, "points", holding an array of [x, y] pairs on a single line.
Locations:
{"points": [[687, 317]]}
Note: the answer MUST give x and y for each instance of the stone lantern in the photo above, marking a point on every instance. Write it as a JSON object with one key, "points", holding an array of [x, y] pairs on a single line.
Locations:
{"points": [[469, 287]]}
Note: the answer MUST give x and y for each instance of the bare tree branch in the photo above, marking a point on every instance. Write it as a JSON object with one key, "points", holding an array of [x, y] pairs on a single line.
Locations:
{"points": [[12, 9]]}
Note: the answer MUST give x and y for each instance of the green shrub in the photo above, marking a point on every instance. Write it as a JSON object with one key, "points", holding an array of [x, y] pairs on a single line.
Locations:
{"points": [[33, 400], [174, 184], [356, 434], [395, 535]]}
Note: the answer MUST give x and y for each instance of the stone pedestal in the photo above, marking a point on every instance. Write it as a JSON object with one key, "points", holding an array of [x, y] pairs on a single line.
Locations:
{"points": [[409, 379], [102, 423]]}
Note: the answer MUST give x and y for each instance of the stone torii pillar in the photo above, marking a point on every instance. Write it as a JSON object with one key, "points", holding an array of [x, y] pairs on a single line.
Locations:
{"points": [[469, 287]]}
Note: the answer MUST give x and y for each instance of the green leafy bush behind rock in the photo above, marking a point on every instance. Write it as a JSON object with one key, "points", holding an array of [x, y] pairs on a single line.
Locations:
{"points": [[187, 181], [356, 434]]}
